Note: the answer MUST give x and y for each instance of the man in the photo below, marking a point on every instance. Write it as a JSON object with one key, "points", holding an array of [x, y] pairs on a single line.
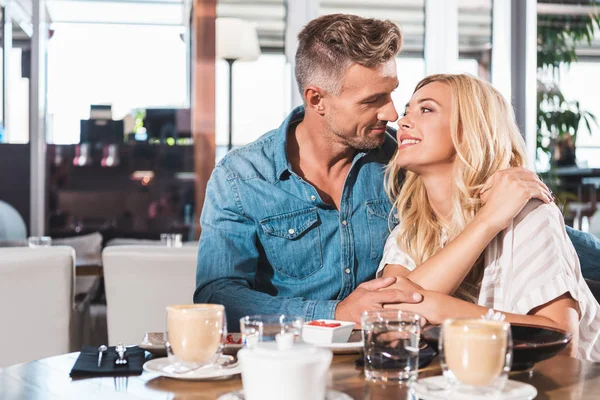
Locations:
{"points": [[296, 222]]}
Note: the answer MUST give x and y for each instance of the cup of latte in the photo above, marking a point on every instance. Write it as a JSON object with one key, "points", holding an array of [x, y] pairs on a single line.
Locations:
{"points": [[196, 335], [476, 354]]}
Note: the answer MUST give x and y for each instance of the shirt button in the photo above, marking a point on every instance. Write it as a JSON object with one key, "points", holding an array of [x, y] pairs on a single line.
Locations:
{"points": [[313, 197], [347, 270], [344, 222], [291, 231]]}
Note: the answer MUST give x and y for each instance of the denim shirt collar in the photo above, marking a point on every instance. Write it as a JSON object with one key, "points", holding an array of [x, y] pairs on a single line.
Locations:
{"points": [[282, 164]]}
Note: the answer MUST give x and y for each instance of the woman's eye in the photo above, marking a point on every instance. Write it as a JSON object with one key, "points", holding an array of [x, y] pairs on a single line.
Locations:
{"points": [[425, 110]]}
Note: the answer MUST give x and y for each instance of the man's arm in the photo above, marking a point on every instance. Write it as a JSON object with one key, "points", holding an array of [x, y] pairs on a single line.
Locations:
{"points": [[587, 247], [228, 261]]}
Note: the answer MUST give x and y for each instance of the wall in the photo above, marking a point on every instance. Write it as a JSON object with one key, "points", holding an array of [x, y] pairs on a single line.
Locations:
{"points": [[14, 177]]}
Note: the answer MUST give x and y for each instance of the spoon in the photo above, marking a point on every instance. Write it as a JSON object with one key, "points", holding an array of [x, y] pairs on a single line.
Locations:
{"points": [[101, 350]]}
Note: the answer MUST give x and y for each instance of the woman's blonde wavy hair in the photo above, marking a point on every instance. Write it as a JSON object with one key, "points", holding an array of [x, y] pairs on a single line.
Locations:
{"points": [[486, 139]]}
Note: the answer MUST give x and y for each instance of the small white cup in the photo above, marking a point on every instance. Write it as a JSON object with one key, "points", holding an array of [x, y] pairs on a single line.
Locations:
{"points": [[284, 370], [39, 241], [171, 239]]}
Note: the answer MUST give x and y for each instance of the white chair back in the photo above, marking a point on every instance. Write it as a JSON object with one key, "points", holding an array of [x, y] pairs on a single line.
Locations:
{"points": [[140, 282], [36, 302]]}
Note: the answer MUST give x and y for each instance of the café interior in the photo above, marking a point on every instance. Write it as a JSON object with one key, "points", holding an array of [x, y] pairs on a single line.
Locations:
{"points": [[113, 116]]}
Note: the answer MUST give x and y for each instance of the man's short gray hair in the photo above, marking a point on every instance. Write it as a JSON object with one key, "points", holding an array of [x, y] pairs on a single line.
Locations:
{"points": [[330, 44]]}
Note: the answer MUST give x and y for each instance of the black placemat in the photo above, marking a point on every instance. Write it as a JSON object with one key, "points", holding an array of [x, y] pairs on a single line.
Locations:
{"points": [[87, 362]]}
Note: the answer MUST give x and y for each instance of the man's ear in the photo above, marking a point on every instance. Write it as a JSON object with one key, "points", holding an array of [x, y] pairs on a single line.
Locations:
{"points": [[313, 98]]}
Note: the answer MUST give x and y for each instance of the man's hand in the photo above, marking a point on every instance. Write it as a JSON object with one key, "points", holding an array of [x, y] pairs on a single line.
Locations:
{"points": [[404, 284], [368, 296], [506, 193]]}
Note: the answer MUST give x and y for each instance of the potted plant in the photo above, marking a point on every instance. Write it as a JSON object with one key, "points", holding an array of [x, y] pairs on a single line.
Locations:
{"points": [[558, 119]]}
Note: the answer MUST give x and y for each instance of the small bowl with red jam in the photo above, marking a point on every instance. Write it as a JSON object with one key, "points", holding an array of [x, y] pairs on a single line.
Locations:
{"points": [[323, 331]]}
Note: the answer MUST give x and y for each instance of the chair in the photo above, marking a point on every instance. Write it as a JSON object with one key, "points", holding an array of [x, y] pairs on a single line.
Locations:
{"points": [[594, 288], [586, 205], [36, 302], [140, 282], [12, 226]]}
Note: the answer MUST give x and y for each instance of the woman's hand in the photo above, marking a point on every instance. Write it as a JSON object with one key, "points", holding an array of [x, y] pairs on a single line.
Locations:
{"points": [[506, 193], [435, 307]]}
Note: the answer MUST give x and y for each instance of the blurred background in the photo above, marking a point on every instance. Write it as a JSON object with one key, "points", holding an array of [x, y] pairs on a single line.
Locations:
{"points": [[114, 112]]}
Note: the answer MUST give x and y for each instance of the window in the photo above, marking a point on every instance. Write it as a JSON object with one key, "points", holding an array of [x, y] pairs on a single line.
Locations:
{"points": [[261, 88], [126, 66], [475, 37], [410, 16]]}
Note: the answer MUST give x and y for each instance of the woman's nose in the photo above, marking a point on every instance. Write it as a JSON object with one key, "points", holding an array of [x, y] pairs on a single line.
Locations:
{"points": [[405, 123]]}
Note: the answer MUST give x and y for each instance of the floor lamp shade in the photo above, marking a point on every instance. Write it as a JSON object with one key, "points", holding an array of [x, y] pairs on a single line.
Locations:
{"points": [[236, 40]]}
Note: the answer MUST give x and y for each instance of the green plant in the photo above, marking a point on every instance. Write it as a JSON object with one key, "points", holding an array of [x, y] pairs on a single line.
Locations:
{"points": [[558, 37]]}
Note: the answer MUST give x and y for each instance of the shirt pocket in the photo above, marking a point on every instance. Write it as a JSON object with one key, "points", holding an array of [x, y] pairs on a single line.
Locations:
{"points": [[380, 223], [292, 243]]}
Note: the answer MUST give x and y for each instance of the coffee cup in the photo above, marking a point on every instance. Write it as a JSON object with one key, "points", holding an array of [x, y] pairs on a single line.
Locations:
{"points": [[195, 336], [476, 354]]}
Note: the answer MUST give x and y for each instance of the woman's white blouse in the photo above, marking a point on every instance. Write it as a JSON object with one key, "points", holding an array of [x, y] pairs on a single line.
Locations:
{"points": [[527, 265]]}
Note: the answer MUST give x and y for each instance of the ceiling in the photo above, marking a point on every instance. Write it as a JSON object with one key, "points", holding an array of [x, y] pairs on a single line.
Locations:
{"points": [[131, 12], [475, 17]]}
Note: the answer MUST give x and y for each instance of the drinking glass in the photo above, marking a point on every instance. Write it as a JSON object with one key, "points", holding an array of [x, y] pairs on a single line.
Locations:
{"points": [[391, 345], [264, 328], [39, 241], [476, 355], [196, 335], [171, 239]]}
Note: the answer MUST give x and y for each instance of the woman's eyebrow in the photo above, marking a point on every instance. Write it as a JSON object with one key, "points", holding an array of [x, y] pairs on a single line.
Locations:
{"points": [[407, 105]]}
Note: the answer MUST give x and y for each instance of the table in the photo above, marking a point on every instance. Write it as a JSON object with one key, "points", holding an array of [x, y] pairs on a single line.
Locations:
{"points": [[558, 378], [90, 265]]}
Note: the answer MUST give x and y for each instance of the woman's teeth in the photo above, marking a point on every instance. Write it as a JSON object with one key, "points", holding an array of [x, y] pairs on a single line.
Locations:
{"points": [[410, 141]]}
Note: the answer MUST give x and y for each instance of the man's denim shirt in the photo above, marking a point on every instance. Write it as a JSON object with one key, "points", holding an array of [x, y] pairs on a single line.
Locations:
{"points": [[269, 244]]}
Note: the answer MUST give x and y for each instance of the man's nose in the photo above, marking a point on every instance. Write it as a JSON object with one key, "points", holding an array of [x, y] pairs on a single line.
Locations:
{"points": [[388, 113]]}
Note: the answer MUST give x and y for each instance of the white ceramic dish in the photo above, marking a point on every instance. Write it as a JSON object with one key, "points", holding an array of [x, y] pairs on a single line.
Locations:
{"points": [[154, 342], [163, 367], [330, 395], [354, 344], [318, 335], [432, 388]]}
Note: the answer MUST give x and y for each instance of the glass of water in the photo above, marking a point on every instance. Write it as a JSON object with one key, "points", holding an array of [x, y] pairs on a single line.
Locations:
{"points": [[265, 328], [391, 345], [171, 239], [39, 241]]}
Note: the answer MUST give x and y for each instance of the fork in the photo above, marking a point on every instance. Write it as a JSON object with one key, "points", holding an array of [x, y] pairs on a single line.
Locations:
{"points": [[120, 349], [121, 383]]}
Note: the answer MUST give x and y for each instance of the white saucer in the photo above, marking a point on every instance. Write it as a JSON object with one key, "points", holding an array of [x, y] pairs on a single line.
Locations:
{"points": [[330, 395], [342, 348], [432, 388], [163, 367]]}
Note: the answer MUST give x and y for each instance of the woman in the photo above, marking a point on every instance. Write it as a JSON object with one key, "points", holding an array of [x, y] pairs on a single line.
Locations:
{"points": [[457, 133]]}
